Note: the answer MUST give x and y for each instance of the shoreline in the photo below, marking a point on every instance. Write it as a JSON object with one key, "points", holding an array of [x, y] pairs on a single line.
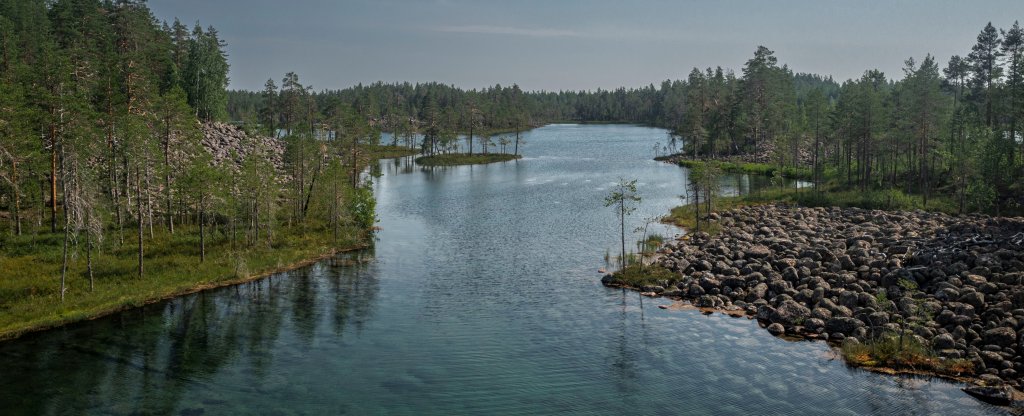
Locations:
{"points": [[14, 334], [737, 165], [295, 254], [462, 159], [838, 275], [685, 305]]}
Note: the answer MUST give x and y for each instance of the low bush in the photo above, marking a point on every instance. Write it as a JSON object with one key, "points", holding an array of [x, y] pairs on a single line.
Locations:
{"points": [[908, 352]]}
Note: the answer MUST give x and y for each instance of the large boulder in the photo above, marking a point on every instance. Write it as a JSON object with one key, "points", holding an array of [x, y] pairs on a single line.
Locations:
{"points": [[790, 313], [757, 292], [1001, 336], [997, 395], [943, 342], [844, 325], [757, 252], [975, 299]]}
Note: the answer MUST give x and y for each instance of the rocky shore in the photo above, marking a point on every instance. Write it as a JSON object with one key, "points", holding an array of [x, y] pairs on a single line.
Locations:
{"points": [[850, 275]]}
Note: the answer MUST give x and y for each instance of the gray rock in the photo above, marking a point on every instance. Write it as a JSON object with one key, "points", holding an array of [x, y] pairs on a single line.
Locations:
{"points": [[607, 279], [708, 283], [790, 313], [997, 395], [821, 313], [814, 325], [848, 299], [975, 299], [947, 294], [759, 291], [733, 281], [843, 325], [757, 251], [943, 342], [1001, 336], [878, 319]]}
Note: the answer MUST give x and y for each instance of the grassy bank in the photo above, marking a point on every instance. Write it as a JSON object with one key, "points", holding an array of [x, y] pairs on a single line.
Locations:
{"points": [[455, 159], [31, 264], [30, 296], [751, 168]]}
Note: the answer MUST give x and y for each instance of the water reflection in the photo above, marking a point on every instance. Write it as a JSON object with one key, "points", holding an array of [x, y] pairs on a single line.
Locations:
{"points": [[146, 360], [481, 298]]}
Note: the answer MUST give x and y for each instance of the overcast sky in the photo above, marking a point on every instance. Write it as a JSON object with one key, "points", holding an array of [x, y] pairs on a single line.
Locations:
{"points": [[575, 44]]}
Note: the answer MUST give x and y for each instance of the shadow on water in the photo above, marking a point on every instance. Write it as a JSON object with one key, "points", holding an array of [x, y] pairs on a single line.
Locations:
{"points": [[146, 360]]}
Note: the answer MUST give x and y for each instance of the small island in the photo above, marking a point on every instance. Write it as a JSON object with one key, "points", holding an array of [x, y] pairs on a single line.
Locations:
{"points": [[455, 159]]}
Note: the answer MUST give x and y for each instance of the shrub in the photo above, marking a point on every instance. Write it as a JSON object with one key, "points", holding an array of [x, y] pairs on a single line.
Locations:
{"points": [[634, 276], [909, 352]]}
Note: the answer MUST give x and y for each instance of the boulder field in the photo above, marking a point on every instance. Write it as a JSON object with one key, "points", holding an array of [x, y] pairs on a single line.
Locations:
{"points": [[848, 274]]}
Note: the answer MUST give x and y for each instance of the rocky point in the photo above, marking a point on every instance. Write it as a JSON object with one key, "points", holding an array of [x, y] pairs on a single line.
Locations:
{"points": [[955, 283]]}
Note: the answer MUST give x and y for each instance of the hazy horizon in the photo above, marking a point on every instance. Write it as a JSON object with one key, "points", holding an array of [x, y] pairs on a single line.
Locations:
{"points": [[575, 45]]}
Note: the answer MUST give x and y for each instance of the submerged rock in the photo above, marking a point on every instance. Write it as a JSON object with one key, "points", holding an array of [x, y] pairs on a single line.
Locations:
{"points": [[997, 395], [776, 329]]}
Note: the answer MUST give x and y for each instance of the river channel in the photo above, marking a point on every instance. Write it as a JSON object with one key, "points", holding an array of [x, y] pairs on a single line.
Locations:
{"points": [[481, 296]]}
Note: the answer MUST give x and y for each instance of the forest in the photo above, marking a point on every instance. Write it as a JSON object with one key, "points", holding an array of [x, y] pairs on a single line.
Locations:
{"points": [[106, 160], [935, 131], [116, 173]]}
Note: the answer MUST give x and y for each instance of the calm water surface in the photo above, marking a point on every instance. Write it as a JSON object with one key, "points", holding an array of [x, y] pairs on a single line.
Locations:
{"points": [[483, 298]]}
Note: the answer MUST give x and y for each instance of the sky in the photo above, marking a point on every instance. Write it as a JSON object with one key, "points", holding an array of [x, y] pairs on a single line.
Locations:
{"points": [[575, 44]]}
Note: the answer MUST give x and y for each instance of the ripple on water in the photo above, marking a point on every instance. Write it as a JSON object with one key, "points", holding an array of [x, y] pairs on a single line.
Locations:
{"points": [[483, 300]]}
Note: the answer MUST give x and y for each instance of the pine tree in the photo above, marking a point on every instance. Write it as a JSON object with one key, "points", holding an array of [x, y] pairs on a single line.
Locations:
{"points": [[927, 109], [1013, 51], [206, 74], [269, 111], [984, 59]]}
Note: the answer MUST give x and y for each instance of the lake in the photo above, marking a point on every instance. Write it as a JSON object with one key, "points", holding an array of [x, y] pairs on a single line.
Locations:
{"points": [[481, 296]]}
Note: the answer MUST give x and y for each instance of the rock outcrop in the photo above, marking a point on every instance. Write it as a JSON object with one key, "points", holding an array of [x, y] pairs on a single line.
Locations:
{"points": [[231, 145]]}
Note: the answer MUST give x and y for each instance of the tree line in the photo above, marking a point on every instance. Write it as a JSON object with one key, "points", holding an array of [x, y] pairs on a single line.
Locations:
{"points": [[435, 117], [948, 129]]}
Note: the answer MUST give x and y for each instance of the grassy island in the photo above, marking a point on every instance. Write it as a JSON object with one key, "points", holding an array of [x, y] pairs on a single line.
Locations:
{"points": [[455, 159]]}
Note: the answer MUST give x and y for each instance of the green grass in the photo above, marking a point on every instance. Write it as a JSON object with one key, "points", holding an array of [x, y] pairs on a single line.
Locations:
{"points": [[752, 168], [836, 196], [634, 276], [30, 265], [30, 282], [455, 159], [889, 352], [884, 199], [684, 215], [652, 243]]}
